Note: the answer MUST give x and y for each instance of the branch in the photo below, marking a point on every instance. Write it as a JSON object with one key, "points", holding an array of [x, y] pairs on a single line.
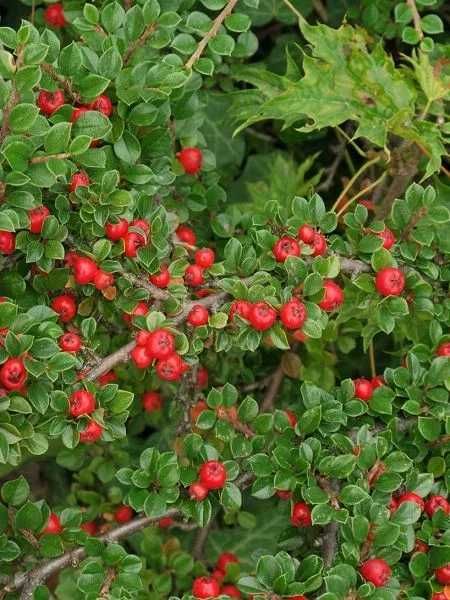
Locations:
{"points": [[416, 17], [155, 292], [271, 394], [217, 23], [63, 82], [109, 579], [331, 531], [45, 158], [200, 540], [13, 100], [138, 43]]}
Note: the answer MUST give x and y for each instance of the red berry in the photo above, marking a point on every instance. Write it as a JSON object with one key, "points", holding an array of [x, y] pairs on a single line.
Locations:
{"points": [[151, 401], [191, 160], [197, 316], [54, 15], [298, 597], [439, 596], [421, 546], [90, 527], [165, 522], [53, 526], [81, 403], [292, 418], [319, 244], [205, 587], [442, 574], [388, 238], [333, 296], [79, 179], [197, 492], [225, 559], [161, 279], [241, 308], [108, 377], [116, 231], [369, 204], [37, 217], [161, 344], [78, 112], [306, 234], [102, 104], [411, 497], [202, 378], [284, 494], [50, 102], [443, 349], [393, 504], [91, 433], [84, 270], [141, 357], [13, 374], [172, 368], [7, 242], [141, 224], [193, 276], [123, 514], [363, 389], [390, 281], [231, 591], [434, 503], [186, 235], [205, 257], [377, 381], [103, 280], [212, 474], [301, 515], [376, 570], [140, 310], [142, 337], [293, 314], [284, 247], [70, 342], [65, 306], [262, 316], [132, 242]]}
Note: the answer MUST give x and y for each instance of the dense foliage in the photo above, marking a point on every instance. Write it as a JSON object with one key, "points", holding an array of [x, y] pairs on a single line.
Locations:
{"points": [[224, 300]]}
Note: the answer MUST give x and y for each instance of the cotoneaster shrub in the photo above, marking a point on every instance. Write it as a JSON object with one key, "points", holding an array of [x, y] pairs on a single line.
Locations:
{"points": [[224, 311]]}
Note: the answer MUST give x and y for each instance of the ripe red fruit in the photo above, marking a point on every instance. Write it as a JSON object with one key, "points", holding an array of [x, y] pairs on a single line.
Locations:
{"points": [[116, 231], [132, 242], [390, 281], [218, 575], [284, 247], [202, 378], [54, 15], [186, 234], [363, 389], [442, 574], [91, 433], [123, 514], [204, 257], [421, 546], [443, 349], [292, 418], [241, 308], [333, 296], [141, 357], [140, 310], [212, 474], [284, 494], [84, 270], [151, 401], [13, 374], [197, 316], [193, 276], [377, 381], [142, 337], [90, 527], [70, 342], [298, 597], [191, 160], [306, 234], [376, 570], [439, 596], [37, 217], [103, 280], [108, 377], [65, 306], [388, 238], [231, 591], [301, 515], [7, 242], [434, 503], [81, 403], [78, 112], [197, 491], [225, 559], [262, 316], [161, 279], [103, 104], [79, 179], [411, 497], [161, 344], [172, 368], [50, 102], [205, 587], [141, 224], [53, 526], [293, 314], [319, 244]]}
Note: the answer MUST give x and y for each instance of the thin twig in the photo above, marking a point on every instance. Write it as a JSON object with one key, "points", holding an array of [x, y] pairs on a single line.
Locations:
{"points": [[138, 43], [271, 394], [13, 100], [45, 158], [359, 172], [364, 191], [109, 579], [373, 366], [64, 83], [416, 17], [331, 531], [200, 540]]}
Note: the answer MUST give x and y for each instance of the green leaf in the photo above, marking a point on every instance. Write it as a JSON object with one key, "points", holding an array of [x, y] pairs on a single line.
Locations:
{"points": [[222, 44], [22, 117], [16, 491], [57, 138], [93, 124]]}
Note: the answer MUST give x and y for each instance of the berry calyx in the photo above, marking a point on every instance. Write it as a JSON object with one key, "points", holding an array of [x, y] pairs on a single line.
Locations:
{"points": [[443, 349], [319, 244], [141, 357], [262, 316], [284, 247], [363, 389], [151, 401], [79, 179], [293, 314], [193, 276], [190, 159], [81, 403], [225, 559], [65, 306], [197, 316], [204, 257], [442, 574], [301, 515], [198, 492], [116, 231], [37, 217], [70, 342], [91, 433], [50, 102], [388, 238], [53, 526], [84, 270], [123, 514], [186, 234], [161, 344], [333, 296], [436, 502], [241, 308], [102, 104], [205, 587], [161, 279], [7, 242], [172, 368], [376, 570], [390, 281], [411, 497], [212, 475], [54, 15], [13, 375], [306, 234]]}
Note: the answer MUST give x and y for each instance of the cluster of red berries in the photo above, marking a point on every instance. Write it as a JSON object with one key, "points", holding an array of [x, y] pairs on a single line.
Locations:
{"points": [[212, 475], [159, 346], [85, 271], [36, 218], [81, 404], [122, 514], [203, 259], [430, 506], [364, 388], [191, 160], [289, 246], [133, 238], [212, 586]]}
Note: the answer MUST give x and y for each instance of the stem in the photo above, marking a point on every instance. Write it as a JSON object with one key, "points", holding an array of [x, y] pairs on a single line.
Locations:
{"points": [[361, 193], [64, 83], [43, 159], [373, 366], [352, 142], [359, 172], [217, 23], [274, 387], [138, 43], [416, 17]]}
